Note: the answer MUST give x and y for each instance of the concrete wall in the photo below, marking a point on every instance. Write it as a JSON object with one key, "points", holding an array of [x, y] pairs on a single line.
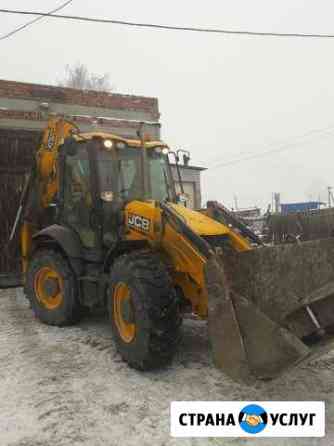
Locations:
{"points": [[310, 225]]}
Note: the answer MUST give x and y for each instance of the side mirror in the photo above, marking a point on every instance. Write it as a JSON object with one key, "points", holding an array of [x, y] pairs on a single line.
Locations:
{"points": [[182, 198]]}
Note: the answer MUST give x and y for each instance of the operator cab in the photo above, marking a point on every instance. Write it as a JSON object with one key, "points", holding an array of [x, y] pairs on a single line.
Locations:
{"points": [[103, 172]]}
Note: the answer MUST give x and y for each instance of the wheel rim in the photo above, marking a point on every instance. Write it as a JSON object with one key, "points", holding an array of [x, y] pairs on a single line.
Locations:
{"points": [[123, 313], [49, 288]]}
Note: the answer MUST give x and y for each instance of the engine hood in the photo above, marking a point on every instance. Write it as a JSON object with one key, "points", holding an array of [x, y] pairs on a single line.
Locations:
{"points": [[198, 222]]}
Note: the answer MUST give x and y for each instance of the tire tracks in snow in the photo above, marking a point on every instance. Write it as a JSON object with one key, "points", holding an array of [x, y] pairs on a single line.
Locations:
{"points": [[68, 386], [53, 360]]}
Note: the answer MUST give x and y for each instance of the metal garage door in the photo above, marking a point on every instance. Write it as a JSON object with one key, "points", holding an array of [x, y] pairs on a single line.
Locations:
{"points": [[16, 155]]}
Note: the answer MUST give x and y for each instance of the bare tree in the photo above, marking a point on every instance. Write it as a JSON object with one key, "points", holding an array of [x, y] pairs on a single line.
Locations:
{"points": [[78, 76]]}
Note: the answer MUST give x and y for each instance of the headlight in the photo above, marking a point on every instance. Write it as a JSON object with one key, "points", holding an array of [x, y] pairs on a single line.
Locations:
{"points": [[163, 150], [108, 143]]}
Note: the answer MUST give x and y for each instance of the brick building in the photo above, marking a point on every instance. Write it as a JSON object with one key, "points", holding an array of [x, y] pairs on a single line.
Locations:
{"points": [[26, 107]]}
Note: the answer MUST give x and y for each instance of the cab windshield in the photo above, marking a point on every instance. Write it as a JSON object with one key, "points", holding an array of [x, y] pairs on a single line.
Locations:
{"points": [[123, 171], [159, 174]]}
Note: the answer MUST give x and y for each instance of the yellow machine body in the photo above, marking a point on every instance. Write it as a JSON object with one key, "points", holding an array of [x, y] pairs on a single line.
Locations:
{"points": [[187, 263], [257, 299]]}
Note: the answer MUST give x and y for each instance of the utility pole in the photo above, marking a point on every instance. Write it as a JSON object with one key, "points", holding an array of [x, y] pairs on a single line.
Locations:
{"points": [[330, 196], [236, 202]]}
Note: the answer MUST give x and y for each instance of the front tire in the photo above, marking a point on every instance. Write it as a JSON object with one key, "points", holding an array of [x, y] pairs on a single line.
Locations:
{"points": [[143, 310], [52, 289]]}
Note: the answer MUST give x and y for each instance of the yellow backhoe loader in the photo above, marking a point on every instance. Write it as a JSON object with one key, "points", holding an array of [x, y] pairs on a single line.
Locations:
{"points": [[101, 225]]}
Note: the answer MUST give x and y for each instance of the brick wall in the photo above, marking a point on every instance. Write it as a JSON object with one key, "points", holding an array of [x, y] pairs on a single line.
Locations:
{"points": [[27, 106], [20, 90]]}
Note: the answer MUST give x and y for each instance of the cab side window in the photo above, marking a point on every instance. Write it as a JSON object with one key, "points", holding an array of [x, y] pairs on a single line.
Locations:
{"points": [[78, 198]]}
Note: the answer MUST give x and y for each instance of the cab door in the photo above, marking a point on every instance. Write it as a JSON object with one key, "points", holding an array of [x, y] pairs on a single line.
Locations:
{"points": [[78, 208]]}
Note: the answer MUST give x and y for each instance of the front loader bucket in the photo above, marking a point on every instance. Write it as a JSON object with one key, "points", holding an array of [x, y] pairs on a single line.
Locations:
{"points": [[271, 307]]}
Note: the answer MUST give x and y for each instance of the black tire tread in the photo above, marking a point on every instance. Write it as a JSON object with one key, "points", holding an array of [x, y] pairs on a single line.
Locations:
{"points": [[72, 312], [157, 299]]}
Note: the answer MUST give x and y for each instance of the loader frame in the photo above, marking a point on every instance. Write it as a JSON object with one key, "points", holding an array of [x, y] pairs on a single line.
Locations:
{"points": [[123, 248]]}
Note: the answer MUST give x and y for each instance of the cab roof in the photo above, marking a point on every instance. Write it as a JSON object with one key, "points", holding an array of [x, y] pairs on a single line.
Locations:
{"points": [[130, 142]]}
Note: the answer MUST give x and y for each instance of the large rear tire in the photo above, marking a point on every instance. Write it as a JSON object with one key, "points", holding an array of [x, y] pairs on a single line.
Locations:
{"points": [[52, 289], [143, 310]]}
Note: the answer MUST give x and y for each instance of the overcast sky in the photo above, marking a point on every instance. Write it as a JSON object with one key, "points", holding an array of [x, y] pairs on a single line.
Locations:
{"points": [[221, 97]]}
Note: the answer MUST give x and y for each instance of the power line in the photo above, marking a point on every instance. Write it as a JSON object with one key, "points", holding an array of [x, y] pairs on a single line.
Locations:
{"points": [[37, 19], [282, 145], [282, 148], [170, 27]]}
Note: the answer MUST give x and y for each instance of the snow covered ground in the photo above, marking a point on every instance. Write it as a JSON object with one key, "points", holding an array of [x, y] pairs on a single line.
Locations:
{"points": [[68, 386]]}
